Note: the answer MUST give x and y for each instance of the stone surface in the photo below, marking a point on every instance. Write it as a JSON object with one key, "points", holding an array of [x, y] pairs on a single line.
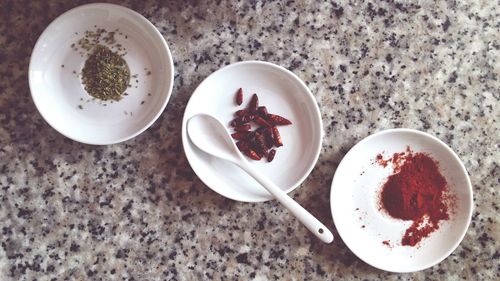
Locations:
{"points": [[136, 210]]}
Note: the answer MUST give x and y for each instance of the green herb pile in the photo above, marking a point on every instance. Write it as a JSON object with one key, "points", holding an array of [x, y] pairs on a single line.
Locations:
{"points": [[105, 74]]}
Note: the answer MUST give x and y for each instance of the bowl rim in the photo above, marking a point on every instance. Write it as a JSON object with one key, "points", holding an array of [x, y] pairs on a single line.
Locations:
{"points": [[462, 170], [138, 18], [316, 115]]}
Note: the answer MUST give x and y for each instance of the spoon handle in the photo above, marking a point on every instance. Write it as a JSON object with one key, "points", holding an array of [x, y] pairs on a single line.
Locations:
{"points": [[308, 220]]}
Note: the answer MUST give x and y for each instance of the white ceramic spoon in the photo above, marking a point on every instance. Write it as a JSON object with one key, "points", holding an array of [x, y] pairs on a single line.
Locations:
{"points": [[209, 135]]}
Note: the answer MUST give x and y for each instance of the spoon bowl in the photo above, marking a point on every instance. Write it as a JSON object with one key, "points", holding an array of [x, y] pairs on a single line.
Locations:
{"points": [[209, 135]]}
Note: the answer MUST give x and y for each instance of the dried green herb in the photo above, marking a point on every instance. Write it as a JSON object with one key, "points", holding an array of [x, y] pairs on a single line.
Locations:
{"points": [[105, 74]]}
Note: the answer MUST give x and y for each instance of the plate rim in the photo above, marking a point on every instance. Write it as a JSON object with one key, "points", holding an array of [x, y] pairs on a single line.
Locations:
{"points": [[140, 18], [468, 189], [317, 115]]}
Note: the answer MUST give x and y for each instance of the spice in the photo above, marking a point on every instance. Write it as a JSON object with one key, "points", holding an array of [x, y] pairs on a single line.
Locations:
{"points": [[243, 128], [416, 191], [258, 143], [272, 153], [254, 103], [261, 121], [278, 120], [105, 74], [239, 96]]}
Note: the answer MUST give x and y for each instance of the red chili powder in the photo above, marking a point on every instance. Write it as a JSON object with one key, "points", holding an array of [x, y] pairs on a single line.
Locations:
{"points": [[417, 192]]}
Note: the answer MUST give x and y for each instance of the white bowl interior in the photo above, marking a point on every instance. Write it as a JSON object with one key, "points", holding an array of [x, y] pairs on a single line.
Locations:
{"points": [[58, 92], [282, 93], [354, 203]]}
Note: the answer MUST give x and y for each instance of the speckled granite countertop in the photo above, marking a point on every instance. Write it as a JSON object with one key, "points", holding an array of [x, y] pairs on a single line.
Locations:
{"points": [[136, 210]]}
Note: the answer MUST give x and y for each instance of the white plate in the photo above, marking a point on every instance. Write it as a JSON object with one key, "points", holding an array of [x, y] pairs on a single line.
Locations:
{"points": [[354, 203], [282, 93], [57, 91]]}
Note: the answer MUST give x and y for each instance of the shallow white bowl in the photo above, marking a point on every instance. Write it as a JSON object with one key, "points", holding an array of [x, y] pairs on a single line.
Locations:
{"points": [[57, 92], [354, 203], [282, 93]]}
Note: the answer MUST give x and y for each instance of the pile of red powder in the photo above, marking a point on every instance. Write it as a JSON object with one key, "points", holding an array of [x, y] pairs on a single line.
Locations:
{"points": [[415, 191]]}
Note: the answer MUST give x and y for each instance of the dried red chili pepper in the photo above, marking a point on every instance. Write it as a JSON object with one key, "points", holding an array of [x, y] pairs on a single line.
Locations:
{"points": [[261, 129], [271, 155], [254, 103], [242, 145], [248, 118], [250, 136], [242, 112], [243, 128], [268, 135], [257, 151], [262, 111], [278, 120], [277, 137], [238, 121], [259, 120], [239, 135], [239, 96], [259, 143], [252, 154], [235, 122]]}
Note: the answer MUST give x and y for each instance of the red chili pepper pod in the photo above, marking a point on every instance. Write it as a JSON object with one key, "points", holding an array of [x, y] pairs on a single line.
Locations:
{"points": [[278, 120], [262, 111], [247, 118], [252, 154], [277, 137], [254, 103], [243, 128], [269, 137], [238, 121], [259, 153], [239, 96], [242, 112], [235, 122], [260, 144], [242, 145], [270, 155], [261, 129], [250, 136], [239, 135], [259, 120]]}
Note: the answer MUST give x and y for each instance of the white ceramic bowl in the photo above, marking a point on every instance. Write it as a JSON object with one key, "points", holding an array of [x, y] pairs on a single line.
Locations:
{"points": [[363, 227], [58, 92], [282, 93]]}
